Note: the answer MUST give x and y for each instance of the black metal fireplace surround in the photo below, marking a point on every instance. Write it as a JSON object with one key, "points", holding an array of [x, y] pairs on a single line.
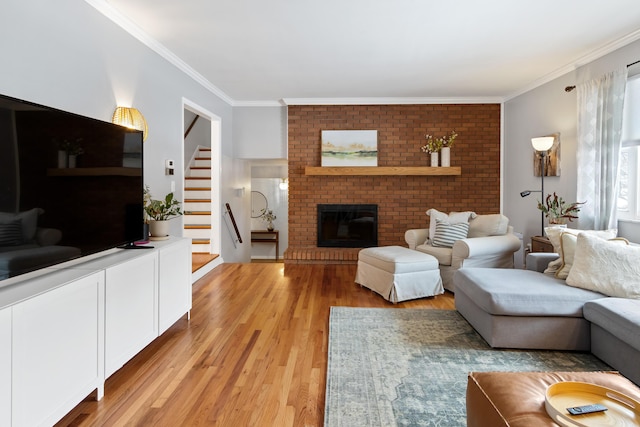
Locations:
{"points": [[347, 226]]}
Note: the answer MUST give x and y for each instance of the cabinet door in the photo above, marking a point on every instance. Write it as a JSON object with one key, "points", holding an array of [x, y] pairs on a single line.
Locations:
{"points": [[5, 367], [174, 282], [56, 351], [131, 318]]}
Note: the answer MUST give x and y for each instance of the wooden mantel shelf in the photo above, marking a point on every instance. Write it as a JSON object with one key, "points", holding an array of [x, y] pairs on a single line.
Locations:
{"points": [[381, 170]]}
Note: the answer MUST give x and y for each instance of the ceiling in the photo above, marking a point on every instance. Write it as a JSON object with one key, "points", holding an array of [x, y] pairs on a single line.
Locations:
{"points": [[303, 51]]}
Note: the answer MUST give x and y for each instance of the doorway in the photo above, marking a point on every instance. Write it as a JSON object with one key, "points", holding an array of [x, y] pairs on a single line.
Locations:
{"points": [[201, 186]]}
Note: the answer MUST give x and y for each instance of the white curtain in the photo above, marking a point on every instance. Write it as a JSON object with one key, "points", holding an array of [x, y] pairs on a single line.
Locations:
{"points": [[600, 112]]}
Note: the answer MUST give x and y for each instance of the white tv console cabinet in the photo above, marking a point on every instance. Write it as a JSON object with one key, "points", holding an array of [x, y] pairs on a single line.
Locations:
{"points": [[64, 330]]}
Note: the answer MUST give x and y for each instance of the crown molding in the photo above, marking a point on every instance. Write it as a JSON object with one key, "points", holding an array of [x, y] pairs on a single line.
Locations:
{"points": [[391, 101], [580, 62], [130, 27]]}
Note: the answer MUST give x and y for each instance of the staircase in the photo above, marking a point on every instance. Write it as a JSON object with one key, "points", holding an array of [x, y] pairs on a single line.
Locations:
{"points": [[197, 201]]}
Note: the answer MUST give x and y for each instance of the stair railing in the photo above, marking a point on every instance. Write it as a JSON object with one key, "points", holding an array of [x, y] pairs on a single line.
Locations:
{"points": [[237, 238]]}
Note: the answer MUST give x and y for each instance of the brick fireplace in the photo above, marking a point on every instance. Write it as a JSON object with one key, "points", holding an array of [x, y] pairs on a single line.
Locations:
{"points": [[402, 200]]}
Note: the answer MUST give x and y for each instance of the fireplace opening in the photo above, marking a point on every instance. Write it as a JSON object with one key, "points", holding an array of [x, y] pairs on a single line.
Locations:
{"points": [[347, 226]]}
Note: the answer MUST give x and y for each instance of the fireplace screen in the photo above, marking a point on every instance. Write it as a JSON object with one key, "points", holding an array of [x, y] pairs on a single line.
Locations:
{"points": [[347, 226]]}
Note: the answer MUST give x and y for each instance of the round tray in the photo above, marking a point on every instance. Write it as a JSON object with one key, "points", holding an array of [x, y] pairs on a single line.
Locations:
{"points": [[622, 410]]}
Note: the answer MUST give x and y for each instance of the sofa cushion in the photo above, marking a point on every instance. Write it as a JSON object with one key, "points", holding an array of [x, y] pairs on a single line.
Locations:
{"points": [[446, 234], [618, 316], [452, 218], [488, 225], [11, 233], [397, 259], [568, 242], [23, 260], [606, 267], [443, 255], [29, 222], [514, 292], [554, 233]]}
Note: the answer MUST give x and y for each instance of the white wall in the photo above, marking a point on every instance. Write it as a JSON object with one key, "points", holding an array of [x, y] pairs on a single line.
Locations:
{"points": [[541, 111], [67, 55], [260, 132]]}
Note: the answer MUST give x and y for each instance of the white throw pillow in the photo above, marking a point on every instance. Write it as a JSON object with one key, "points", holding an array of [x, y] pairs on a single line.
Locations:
{"points": [[488, 225], [568, 243], [554, 233], [452, 218], [606, 267], [446, 234]]}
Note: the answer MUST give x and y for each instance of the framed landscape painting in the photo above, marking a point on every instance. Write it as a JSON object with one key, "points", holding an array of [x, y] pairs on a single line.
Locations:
{"points": [[349, 148]]}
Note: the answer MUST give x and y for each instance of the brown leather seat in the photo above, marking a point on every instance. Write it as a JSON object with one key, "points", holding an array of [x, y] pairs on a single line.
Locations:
{"points": [[516, 399]]}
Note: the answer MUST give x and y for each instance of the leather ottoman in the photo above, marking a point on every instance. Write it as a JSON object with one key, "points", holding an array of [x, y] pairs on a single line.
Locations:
{"points": [[516, 399]]}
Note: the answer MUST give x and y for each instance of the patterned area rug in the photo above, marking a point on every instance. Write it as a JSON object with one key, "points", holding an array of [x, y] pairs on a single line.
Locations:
{"points": [[408, 367]]}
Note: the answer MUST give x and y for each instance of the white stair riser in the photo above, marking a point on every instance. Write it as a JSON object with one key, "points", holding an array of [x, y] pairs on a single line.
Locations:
{"points": [[202, 163], [206, 154], [197, 206], [199, 172], [201, 248], [197, 233], [197, 183], [197, 219], [197, 194]]}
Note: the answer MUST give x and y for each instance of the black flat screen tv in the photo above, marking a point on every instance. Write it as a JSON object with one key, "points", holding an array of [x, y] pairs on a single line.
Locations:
{"points": [[70, 186]]}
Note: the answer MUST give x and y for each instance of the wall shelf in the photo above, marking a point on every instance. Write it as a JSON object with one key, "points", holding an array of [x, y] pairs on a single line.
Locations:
{"points": [[113, 171], [382, 170]]}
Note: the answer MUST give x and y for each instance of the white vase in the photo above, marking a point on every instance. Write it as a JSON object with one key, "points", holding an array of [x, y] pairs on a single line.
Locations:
{"points": [[72, 160], [62, 159], [445, 161], [434, 160], [159, 230]]}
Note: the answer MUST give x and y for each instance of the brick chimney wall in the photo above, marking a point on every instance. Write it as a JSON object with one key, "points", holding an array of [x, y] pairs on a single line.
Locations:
{"points": [[402, 200]]}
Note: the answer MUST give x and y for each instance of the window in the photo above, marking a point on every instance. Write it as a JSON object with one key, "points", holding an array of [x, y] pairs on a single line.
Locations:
{"points": [[629, 166]]}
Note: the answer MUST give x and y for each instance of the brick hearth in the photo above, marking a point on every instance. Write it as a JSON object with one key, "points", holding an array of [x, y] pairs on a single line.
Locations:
{"points": [[402, 200]]}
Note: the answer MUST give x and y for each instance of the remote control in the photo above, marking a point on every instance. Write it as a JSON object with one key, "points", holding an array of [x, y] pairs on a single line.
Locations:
{"points": [[586, 409]]}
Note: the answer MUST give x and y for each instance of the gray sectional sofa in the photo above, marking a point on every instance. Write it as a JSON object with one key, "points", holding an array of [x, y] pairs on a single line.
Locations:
{"points": [[24, 246], [528, 309]]}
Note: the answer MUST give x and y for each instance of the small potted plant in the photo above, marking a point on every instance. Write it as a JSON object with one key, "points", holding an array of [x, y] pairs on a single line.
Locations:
{"points": [[159, 212], [268, 216], [433, 145], [558, 211]]}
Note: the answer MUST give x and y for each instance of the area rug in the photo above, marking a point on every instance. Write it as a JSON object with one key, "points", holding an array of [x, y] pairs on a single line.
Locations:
{"points": [[408, 367]]}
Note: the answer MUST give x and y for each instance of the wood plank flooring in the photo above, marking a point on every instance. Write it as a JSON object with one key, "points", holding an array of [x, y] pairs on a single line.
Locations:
{"points": [[253, 354]]}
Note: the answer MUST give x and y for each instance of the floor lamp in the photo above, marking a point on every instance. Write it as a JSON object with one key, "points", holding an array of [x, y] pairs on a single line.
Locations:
{"points": [[541, 145]]}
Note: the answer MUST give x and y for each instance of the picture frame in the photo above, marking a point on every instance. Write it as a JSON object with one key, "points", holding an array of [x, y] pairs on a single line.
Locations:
{"points": [[552, 159], [351, 148]]}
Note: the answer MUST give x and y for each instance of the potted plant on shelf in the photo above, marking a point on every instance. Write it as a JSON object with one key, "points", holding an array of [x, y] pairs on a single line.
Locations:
{"points": [[434, 145], [558, 211], [159, 212], [268, 216]]}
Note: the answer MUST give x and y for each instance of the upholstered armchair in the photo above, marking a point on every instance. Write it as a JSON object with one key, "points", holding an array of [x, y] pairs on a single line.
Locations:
{"points": [[490, 242]]}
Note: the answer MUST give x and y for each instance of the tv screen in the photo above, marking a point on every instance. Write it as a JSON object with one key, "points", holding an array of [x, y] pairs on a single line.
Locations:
{"points": [[70, 186]]}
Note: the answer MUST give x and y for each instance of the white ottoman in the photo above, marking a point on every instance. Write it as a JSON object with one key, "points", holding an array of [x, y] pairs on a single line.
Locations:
{"points": [[398, 273]]}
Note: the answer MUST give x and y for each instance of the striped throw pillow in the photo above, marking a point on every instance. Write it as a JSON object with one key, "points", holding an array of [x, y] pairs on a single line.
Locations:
{"points": [[11, 233], [446, 234]]}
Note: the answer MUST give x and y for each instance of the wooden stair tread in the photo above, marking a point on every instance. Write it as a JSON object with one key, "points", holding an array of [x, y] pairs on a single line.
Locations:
{"points": [[197, 189], [197, 227], [200, 167], [197, 200], [197, 177], [197, 212]]}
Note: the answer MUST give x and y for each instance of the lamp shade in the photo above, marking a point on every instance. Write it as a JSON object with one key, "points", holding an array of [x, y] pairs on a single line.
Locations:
{"points": [[542, 143], [131, 118]]}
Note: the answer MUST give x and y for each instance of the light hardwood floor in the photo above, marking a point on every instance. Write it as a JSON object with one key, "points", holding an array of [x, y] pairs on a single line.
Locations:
{"points": [[253, 354]]}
